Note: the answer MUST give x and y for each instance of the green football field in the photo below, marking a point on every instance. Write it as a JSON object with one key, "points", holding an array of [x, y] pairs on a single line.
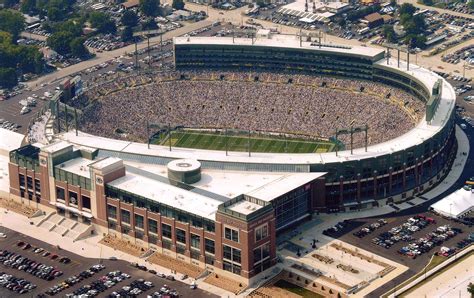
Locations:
{"points": [[258, 143]]}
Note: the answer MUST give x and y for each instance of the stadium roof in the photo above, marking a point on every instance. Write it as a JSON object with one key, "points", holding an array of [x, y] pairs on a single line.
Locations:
{"points": [[457, 204], [10, 140], [422, 131], [281, 41]]}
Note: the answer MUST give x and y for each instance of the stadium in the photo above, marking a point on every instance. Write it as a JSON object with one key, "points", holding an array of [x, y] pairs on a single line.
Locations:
{"points": [[245, 138]]}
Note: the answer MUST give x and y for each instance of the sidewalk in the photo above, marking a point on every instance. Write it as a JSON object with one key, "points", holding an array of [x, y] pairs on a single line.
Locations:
{"points": [[89, 247]]}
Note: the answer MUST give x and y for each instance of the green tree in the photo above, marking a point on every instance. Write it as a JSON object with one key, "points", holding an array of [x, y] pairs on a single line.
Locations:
{"points": [[470, 289], [29, 59], [78, 49], [72, 26], [127, 34], [393, 3], [102, 22], [470, 4], [179, 4], [8, 77], [150, 8], [54, 14], [389, 33], [415, 41], [29, 7], [5, 38], [12, 22], [149, 24], [407, 8], [60, 42], [129, 18], [9, 3], [426, 2]]}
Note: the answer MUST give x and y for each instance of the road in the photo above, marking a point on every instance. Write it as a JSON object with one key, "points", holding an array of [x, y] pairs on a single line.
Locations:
{"points": [[106, 56], [440, 10]]}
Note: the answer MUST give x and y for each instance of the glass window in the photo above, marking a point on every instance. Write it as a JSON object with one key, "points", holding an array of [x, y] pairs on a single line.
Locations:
{"points": [[125, 216], [111, 211], [231, 234], [139, 221], [60, 194], [209, 245], [152, 226], [72, 198], [195, 241], [166, 230], [180, 236], [232, 254], [261, 232], [86, 202], [210, 227]]}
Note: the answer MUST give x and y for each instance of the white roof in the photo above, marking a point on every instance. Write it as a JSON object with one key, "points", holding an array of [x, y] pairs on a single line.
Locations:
{"points": [[55, 147], [168, 194], [245, 207], [78, 166], [415, 136], [106, 162], [279, 41], [10, 140], [283, 185], [456, 204]]}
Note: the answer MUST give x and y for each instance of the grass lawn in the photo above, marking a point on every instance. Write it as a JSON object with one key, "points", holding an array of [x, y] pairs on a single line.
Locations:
{"points": [[258, 143], [297, 289]]}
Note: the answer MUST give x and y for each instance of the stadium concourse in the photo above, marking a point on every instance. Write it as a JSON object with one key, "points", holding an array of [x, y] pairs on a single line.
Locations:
{"points": [[310, 106]]}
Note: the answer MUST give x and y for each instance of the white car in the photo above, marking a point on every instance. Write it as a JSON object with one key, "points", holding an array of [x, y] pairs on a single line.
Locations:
{"points": [[3, 235]]}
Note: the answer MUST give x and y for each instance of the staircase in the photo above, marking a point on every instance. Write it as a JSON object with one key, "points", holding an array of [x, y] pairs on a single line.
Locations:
{"points": [[65, 227]]}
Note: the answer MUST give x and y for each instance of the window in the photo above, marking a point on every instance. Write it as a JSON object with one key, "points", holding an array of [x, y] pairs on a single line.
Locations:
{"points": [[139, 221], [261, 253], [210, 227], [22, 180], [125, 216], [112, 225], [181, 249], [195, 241], [111, 212], [127, 199], [209, 259], [231, 234], [180, 236], [195, 222], [29, 182], [154, 208], [152, 226], [232, 254], [166, 230], [195, 254], [86, 202], [73, 198], [37, 185], [232, 267], [60, 194], [261, 232], [209, 246], [166, 244]]}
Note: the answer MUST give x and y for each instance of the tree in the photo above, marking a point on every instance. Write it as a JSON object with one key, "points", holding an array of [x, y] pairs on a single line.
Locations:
{"points": [[150, 8], [407, 8], [9, 3], [5, 38], [54, 14], [470, 4], [29, 7], [179, 4], [8, 77], [12, 22], [393, 3], [127, 34], [260, 3], [29, 59], [470, 289], [102, 22], [389, 33], [60, 42], [149, 24], [426, 2], [129, 18], [78, 49], [415, 41]]}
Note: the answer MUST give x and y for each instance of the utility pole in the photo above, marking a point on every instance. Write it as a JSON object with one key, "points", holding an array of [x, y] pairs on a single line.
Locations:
{"points": [[75, 118]]}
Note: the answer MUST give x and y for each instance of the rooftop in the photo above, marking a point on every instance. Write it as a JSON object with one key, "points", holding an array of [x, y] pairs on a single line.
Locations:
{"points": [[78, 166], [10, 140], [245, 207], [281, 41]]}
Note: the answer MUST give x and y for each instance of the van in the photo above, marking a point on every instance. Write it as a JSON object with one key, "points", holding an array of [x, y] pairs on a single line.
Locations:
{"points": [[463, 126]]}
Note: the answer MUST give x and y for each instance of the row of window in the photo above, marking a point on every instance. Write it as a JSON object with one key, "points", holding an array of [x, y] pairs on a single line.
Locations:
{"points": [[166, 230], [73, 198]]}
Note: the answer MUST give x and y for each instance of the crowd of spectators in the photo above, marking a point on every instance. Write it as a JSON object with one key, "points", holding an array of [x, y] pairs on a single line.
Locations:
{"points": [[297, 104]]}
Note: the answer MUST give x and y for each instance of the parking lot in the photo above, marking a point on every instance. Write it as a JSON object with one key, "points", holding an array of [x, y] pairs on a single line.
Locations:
{"points": [[56, 272], [409, 239]]}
